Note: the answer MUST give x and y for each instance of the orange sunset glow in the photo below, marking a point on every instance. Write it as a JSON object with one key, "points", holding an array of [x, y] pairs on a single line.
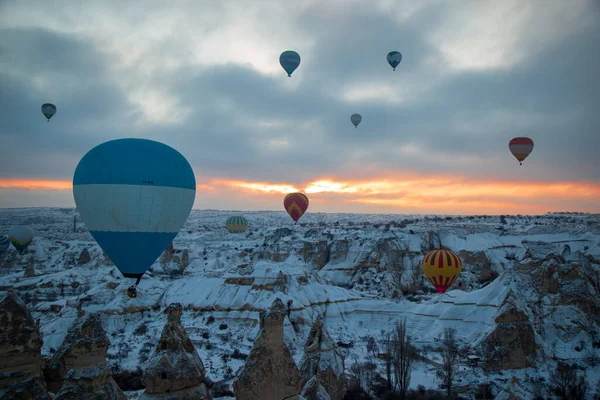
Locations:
{"points": [[437, 194]]}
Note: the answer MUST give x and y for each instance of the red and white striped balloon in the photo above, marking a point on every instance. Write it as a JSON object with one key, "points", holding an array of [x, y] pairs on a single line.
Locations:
{"points": [[520, 147]]}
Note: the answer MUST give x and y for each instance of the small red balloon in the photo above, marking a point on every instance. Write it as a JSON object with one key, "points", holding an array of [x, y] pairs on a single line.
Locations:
{"points": [[296, 205]]}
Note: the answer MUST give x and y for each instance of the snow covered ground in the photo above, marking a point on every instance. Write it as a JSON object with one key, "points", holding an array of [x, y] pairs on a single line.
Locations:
{"points": [[358, 285]]}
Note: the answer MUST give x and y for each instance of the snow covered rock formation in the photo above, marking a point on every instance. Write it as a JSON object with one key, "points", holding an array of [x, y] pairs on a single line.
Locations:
{"points": [[21, 374], [175, 371], [270, 372], [323, 361], [79, 369]]}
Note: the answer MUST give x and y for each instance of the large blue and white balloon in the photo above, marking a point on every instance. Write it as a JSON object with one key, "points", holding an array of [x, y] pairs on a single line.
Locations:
{"points": [[134, 195]]}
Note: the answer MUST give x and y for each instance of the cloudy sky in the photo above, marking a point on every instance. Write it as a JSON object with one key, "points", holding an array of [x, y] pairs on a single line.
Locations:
{"points": [[204, 77]]}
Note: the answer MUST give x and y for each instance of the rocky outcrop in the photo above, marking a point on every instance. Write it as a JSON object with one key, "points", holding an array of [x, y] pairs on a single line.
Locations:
{"points": [[387, 254], [167, 255], [30, 268], [278, 234], [84, 257], [545, 278], [316, 253], [478, 263], [323, 361], [270, 372], [513, 391], [21, 374], [339, 251], [277, 252], [79, 367], [512, 343], [313, 390], [175, 371], [430, 241], [573, 282], [381, 268], [185, 259], [538, 250]]}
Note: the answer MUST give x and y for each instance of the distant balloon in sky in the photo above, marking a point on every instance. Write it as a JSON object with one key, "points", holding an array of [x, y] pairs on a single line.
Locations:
{"points": [[296, 205], [289, 60], [521, 147], [355, 118], [48, 110], [20, 237], [4, 243], [394, 58], [134, 195], [441, 267], [236, 224]]}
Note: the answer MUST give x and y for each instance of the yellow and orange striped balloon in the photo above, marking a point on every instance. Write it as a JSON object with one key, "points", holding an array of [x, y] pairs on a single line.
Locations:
{"points": [[441, 267]]}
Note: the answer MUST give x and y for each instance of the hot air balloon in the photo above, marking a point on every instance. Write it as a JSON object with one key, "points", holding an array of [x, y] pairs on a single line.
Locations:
{"points": [[20, 237], [520, 147], [441, 267], [355, 118], [4, 243], [295, 204], [134, 195], [236, 224], [289, 60], [48, 110], [394, 58]]}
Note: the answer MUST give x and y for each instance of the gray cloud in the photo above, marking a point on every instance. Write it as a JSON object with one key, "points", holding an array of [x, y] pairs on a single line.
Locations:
{"points": [[455, 122]]}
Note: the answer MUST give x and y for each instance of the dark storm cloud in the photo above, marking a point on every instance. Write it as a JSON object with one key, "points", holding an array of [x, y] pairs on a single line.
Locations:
{"points": [[461, 125], [74, 77]]}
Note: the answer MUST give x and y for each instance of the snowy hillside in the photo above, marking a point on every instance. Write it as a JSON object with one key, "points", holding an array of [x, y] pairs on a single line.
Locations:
{"points": [[528, 293]]}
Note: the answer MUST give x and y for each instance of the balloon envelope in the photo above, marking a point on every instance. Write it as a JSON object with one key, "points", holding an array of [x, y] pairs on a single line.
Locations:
{"points": [[20, 237], [134, 195], [236, 224], [296, 205], [289, 60], [4, 243], [394, 58], [520, 147], [441, 267], [355, 118], [48, 110]]}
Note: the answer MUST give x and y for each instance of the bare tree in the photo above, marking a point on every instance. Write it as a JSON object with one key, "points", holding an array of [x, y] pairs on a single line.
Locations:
{"points": [[363, 374], [388, 345], [372, 348], [578, 388], [402, 356], [592, 275], [449, 360], [561, 378], [591, 356]]}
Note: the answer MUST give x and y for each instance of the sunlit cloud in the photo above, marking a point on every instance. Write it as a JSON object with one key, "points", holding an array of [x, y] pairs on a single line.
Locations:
{"points": [[413, 194], [371, 91], [146, 49], [38, 184], [453, 206], [472, 37], [35, 184], [259, 186], [276, 144]]}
